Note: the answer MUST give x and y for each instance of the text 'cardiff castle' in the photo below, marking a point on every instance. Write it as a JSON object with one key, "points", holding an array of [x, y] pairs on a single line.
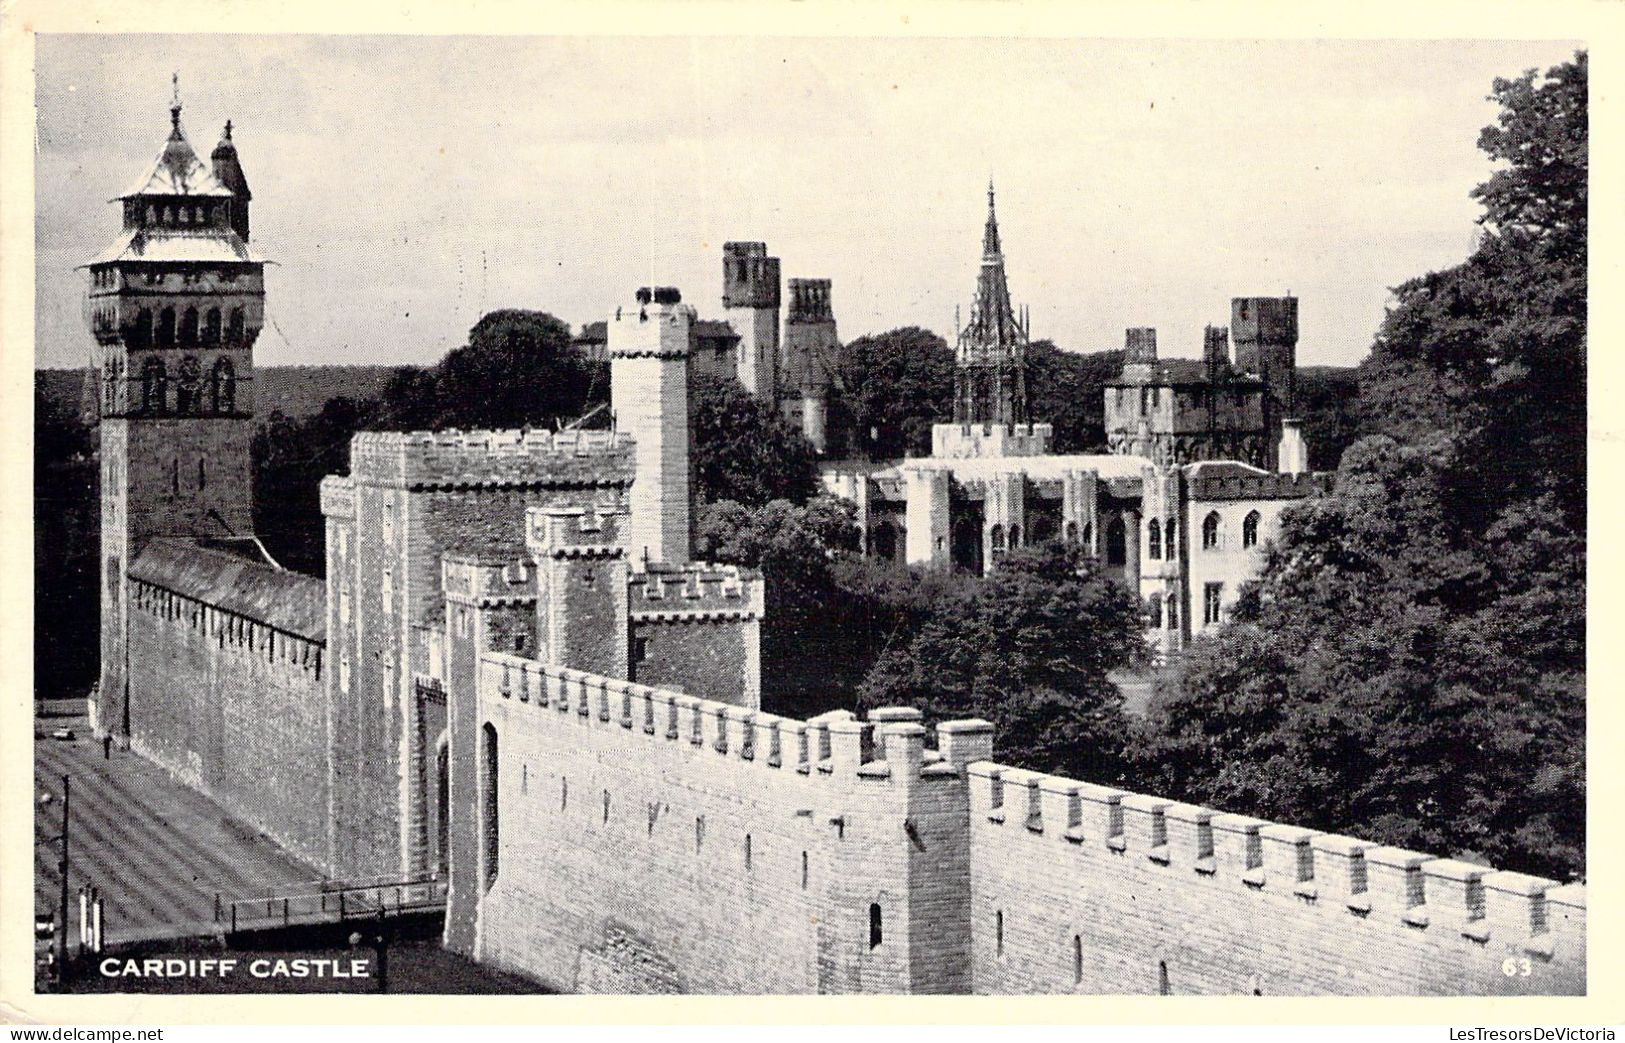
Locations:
{"points": [[513, 674]]}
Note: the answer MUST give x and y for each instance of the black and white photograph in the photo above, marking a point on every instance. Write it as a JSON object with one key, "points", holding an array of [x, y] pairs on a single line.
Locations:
{"points": [[730, 515]]}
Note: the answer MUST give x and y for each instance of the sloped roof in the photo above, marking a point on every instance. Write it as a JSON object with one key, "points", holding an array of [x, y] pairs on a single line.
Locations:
{"points": [[236, 576], [1225, 469], [712, 328], [1037, 468], [209, 245], [177, 172], [1178, 371]]}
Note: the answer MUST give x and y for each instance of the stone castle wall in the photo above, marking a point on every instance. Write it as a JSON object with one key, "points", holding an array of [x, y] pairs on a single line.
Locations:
{"points": [[653, 841], [236, 710]]}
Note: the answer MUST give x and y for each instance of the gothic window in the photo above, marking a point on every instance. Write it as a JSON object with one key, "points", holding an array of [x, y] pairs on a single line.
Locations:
{"points": [[234, 330], [1173, 613], [166, 328], [154, 386], [1153, 540], [1210, 531], [152, 216], [1153, 608], [1170, 538], [1088, 536], [1071, 533], [1116, 542], [189, 326], [169, 216], [1212, 593], [211, 327], [1249, 530], [189, 386], [997, 539], [140, 334], [223, 386], [876, 933], [1015, 536]]}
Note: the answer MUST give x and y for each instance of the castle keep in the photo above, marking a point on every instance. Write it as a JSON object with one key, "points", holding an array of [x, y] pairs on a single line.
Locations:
{"points": [[512, 674]]}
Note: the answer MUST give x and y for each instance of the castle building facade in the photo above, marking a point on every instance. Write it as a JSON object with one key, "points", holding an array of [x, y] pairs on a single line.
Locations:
{"points": [[512, 676], [1201, 460]]}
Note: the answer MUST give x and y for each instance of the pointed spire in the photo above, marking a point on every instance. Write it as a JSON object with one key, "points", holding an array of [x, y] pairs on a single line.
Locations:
{"points": [[990, 236], [175, 104]]}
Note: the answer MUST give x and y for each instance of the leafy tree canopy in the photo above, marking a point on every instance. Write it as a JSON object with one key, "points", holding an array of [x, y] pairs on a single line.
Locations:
{"points": [[892, 387], [742, 449], [1029, 648]]}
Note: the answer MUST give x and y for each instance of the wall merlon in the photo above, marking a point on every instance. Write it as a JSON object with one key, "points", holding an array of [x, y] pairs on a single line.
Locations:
{"points": [[1516, 906], [1190, 837], [468, 459], [1145, 826], [964, 742], [1240, 847], [1288, 859], [338, 496]]}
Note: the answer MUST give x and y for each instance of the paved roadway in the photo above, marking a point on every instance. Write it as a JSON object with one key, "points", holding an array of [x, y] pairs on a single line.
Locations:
{"points": [[158, 851]]}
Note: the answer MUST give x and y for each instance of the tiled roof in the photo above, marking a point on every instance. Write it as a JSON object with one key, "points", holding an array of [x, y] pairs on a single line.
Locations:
{"points": [[178, 172], [209, 245], [235, 575]]}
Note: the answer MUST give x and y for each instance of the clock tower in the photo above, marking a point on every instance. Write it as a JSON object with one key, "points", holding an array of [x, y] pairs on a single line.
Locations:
{"points": [[174, 303]]}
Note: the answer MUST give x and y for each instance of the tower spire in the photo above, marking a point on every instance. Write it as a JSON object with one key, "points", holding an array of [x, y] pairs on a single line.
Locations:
{"points": [[990, 235], [175, 101]]}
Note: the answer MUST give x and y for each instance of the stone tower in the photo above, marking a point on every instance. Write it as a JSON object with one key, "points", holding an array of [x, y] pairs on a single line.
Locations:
{"points": [[811, 346], [750, 299], [990, 383], [1265, 331], [648, 360], [175, 304]]}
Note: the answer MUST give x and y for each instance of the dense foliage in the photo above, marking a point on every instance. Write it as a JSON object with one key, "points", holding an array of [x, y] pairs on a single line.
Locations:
{"points": [[889, 389], [1411, 665], [1028, 648], [741, 448]]}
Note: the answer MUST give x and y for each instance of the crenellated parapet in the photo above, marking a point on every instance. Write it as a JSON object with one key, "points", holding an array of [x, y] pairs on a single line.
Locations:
{"points": [[1353, 883], [972, 441], [487, 580], [593, 530], [338, 497], [454, 459], [1261, 485], [887, 749], [696, 592]]}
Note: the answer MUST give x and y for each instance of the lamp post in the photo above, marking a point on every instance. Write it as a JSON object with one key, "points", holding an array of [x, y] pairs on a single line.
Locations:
{"points": [[59, 969]]}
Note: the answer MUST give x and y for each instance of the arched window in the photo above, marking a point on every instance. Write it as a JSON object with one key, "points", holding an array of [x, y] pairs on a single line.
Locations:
{"points": [[1210, 531], [1116, 542], [1153, 608], [1088, 536], [1153, 539], [1015, 536], [876, 934], [1071, 533], [884, 541], [1173, 613], [223, 386], [1249, 530], [154, 386], [211, 327], [189, 326], [140, 335], [488, 804], [1170, 539], [166, 328], [997, 539], [234, 330], [189, 386]]}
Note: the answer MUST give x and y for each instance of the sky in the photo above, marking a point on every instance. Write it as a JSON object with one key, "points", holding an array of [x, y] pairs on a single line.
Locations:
{"points": [[405, 186]]}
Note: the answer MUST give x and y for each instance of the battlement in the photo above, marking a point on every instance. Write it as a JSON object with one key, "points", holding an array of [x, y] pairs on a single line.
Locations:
{"points": [[1267, 320], [887, 749], [487, 579], [1216, 346], [1235, 482], [750, 278], [338, 496], [693, 592], [594, 530], [809, 301], [467, 459], [1383, 888], [1139, 345], [972, 441]]}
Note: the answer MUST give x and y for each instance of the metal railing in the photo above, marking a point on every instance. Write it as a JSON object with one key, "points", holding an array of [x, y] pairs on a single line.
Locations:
{"points": [[331, 901]]}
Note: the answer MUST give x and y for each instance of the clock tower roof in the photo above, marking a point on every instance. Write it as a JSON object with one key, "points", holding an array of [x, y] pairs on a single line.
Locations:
{"points": [[178, 171]]}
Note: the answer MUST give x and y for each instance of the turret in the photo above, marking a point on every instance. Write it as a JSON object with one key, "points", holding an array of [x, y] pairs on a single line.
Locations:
{"points": [[229, 173], [750, 297], [648, 366], [1265, 330], [811, 345]]}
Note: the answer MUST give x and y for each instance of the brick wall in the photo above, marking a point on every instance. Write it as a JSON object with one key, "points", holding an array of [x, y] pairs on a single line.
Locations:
{"points": [[1078, 888]]}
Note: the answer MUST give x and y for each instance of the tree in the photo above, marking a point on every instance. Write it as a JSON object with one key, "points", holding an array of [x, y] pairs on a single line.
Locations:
{"points": [[291, 457], [742, 449], [1395, 676], [1029, 648], [890, 388], [1068, 390]]}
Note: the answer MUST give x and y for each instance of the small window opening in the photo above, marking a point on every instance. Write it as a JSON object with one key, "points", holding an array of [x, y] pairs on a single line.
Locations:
{"points": [[875, 933]]}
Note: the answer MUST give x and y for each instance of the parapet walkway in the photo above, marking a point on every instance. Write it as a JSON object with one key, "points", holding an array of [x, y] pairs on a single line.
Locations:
{"points": [[158, 852]]}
